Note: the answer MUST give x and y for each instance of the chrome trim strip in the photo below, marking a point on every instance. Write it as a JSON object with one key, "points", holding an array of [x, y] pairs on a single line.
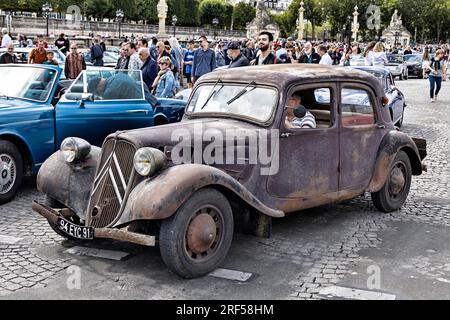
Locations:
{"points": [[119, 170], [116, 189]]}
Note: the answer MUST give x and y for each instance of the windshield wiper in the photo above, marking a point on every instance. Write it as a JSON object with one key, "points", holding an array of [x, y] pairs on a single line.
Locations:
{"points": [[242, 92], [212, 93]]}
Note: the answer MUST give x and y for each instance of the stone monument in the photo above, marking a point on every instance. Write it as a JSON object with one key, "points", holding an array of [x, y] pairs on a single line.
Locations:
{"points": [[262, 22], [162, 15], [396, 34]]}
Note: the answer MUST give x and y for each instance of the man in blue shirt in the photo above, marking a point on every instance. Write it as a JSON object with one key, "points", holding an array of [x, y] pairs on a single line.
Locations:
{"points": [[188, 58], [204, 60]]}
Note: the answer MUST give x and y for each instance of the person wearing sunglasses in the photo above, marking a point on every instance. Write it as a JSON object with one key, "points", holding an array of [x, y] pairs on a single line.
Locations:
{"points": [[164, 84], [9, 56]]}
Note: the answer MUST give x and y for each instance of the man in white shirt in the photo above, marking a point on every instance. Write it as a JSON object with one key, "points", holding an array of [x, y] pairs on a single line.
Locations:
{"points": [[326, 59], [6, 39]]}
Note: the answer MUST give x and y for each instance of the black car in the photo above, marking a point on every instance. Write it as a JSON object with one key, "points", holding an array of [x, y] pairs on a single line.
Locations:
{"points": [[414, 64]]}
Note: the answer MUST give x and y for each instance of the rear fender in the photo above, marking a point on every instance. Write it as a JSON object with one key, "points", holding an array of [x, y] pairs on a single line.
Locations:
{"points": [[161, 196], [392, 143]]}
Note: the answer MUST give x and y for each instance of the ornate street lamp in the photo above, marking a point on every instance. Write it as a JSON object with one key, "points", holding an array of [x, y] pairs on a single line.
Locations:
{"points": [[46, 9], [174, 22], [119, 17], [215, 22]]}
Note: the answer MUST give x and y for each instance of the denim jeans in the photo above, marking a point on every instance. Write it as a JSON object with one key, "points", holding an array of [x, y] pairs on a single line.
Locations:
{"points": [[434, 81]]}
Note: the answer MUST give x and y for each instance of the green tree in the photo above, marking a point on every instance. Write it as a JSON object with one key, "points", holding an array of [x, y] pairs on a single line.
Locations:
{"points": [[210, 9], [242, 14]]}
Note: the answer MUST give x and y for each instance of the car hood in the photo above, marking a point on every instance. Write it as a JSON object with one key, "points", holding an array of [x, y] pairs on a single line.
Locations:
{"points": [[161, 136], [13, 104]]}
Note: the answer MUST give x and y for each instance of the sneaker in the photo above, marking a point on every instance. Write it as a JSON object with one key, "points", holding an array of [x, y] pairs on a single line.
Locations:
{"points": [[435, 98], [432, 100]]}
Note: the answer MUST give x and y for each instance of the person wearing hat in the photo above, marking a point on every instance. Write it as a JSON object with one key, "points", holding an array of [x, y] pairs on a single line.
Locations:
{"points": [[237, 58]]}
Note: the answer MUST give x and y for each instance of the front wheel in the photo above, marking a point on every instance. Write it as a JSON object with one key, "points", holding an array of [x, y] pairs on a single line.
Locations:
{"points": [[11, 170], [395, 190], [196, 239]]}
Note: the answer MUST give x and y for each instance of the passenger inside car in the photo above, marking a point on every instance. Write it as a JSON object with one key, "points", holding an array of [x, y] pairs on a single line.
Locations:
{"points": [[297, 116]]}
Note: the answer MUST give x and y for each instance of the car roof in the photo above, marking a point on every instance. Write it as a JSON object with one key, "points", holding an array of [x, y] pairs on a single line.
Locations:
{"points": [[284, 75]]}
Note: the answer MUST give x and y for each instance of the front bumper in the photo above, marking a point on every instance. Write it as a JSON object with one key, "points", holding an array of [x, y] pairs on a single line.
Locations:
{"points": [[54, 215]]}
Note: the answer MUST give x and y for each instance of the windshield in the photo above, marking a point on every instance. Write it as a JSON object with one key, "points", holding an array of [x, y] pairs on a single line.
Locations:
{"points": [[254, 102], [108, 84], [394, 59], [31, 83], [413, 58]]}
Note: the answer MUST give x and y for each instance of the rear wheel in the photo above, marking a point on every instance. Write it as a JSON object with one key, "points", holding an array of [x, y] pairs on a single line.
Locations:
{"points": [[11, 170], [195, 240], [395, 190]]}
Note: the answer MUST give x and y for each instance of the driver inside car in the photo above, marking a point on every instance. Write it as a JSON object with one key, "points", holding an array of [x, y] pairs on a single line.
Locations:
{"points": [[297, 116]]}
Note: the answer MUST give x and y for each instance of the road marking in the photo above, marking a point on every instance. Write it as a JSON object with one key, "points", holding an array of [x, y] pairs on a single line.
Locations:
{"points": [[357, 294], [231, 274], [9, 239], [98, 253]]}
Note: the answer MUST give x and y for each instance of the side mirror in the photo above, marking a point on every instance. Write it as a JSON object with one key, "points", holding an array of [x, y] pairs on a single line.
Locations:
{"points": [[299, 111], [86, 97]]}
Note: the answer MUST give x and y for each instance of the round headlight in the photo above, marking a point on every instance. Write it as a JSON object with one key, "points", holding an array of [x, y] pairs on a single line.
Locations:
{"points": [[147, 161], [74, 149]]}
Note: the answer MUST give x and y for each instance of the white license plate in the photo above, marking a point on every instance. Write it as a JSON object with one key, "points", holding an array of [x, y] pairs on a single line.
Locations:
{"points": [[74, 230]]}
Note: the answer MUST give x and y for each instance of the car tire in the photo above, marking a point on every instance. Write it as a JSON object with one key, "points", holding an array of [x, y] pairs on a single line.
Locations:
{"points": [[52, 203], [197, 238], [11, 171], [395, 190]]}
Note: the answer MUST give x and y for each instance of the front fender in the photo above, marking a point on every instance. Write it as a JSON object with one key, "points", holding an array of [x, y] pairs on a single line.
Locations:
{"points": [[160, 197], [70, 184], [393, 142]]}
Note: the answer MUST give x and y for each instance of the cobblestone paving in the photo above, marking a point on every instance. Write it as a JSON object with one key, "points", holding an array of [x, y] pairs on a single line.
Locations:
{"points": [[20, 266], [324, 255]]}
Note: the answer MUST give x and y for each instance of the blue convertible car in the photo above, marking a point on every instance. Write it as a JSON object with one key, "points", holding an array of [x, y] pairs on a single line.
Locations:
{"points": [[37, 111]]}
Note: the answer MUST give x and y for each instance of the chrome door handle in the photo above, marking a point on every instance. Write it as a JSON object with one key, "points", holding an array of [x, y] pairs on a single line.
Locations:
{"points": [[137, 111]]}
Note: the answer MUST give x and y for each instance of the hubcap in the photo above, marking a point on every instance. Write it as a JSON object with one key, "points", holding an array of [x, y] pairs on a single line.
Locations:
{"points": [[397, 180], [7, 173], [204, 233]]}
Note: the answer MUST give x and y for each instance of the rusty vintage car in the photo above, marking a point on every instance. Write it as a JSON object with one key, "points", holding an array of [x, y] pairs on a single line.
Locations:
{"points": [[137, 189]]}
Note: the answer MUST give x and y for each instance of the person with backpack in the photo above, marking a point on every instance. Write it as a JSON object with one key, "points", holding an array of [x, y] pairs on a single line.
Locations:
{"points": [[96, 53]]}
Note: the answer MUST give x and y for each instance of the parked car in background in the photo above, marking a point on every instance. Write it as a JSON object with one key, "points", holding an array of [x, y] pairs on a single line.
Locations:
{"points": [[396, 99], [23, 53], [109, 58], [36, 115], [171, 186], [414, 65], [397, 66], [357, 60]]}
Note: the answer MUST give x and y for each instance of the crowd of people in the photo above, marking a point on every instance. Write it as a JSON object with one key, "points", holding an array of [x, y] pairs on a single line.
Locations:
{"points": [[167, 67]]}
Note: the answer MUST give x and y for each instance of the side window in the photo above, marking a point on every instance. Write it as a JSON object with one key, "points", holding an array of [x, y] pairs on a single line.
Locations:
{"points": [[309, 108], [356, 107]]}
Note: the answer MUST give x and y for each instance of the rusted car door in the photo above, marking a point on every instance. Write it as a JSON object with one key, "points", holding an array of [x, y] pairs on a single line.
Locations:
{"points": [[309, 158], [360, 136]]}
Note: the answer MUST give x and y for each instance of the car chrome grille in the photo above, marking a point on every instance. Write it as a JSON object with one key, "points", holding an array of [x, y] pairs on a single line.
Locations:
{"points": [[112, 181]]}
